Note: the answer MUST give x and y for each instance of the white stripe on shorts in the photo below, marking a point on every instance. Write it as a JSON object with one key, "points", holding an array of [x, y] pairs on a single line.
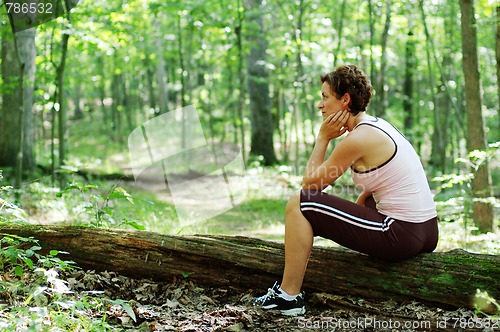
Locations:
{"points": [[344, 216]]}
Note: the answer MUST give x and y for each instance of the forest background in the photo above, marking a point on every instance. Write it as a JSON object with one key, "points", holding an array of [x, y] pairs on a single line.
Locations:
{"points": [[74, 89]]}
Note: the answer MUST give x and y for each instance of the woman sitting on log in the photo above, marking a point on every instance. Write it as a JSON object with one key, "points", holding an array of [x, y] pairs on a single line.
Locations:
{"points": [[394, 217]]}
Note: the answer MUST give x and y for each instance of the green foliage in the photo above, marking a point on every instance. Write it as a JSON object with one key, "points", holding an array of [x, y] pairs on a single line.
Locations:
{"points": [[455, 198], [12, 254], [9, 211], [34, 296], [126, 306], [19, 253], [485, 304], [99, 205]]}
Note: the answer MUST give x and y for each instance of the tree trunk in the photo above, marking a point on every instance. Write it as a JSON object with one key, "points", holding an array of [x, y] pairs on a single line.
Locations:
{"points": [[476, 137], [239, 125], [436, 135], [498, 69], [102, 91], [77, 100], [182, 60], [372, 60], [443, 279], [150, 86], [118, 100], [258, 88], [442, 135], [381, 100], [130, 87], [443, 88], [61, 100], [161, 73], [340, 29], [16, 116], [408, 100], [300, 91]]}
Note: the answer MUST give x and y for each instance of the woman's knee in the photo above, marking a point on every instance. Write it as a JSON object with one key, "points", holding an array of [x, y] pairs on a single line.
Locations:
{"points": [[293, 204]]}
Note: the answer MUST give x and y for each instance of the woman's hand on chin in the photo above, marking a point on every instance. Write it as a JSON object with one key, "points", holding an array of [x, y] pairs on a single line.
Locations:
{"points": [[334, 125]]}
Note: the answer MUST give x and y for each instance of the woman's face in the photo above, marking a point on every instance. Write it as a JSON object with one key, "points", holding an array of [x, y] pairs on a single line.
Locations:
{"points": [[329, 103]]}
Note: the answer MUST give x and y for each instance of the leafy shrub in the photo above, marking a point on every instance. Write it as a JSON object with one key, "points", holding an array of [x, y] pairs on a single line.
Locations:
{"points": [[9, 211], [34, 296], [99, 205]]}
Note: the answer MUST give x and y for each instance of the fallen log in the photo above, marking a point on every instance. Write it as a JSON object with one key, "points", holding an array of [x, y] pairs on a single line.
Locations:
{"points": [[443, 279]]}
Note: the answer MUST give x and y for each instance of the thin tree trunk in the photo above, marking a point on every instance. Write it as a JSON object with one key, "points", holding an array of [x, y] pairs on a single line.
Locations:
{"points": [[498, 70], [408, 84], [27, 53], [62, 101], [77, 100], [294, 132], [443, 134], [161, 73], [340, 30], [240, 124], [300, 79], [182, 61], [372, 60], [150, 85], [53, 161], [102, 92], [183, 73], [258, 87], [282, 118], [127, 102], [233, 104], [432, 84], [16, 117], [115, 90], [432, 50], [476, 138], [131, 101], [383, 62], [61, 98], [439, 137]]}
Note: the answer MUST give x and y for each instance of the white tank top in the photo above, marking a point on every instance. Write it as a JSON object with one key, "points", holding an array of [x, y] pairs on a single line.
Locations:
{"points": [[399, 186]]}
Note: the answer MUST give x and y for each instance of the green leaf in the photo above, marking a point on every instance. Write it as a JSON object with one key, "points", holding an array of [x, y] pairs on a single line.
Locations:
{"points": [[135, 225], [18, 270], [119, 192], [28, 262], [128, 309], [89, 187]]}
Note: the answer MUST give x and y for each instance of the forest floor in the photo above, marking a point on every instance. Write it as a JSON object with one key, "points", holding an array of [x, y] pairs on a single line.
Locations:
{"points": [[184, 306]]}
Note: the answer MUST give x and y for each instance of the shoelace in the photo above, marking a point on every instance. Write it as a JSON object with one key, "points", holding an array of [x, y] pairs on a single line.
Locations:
{"points": [[270, 295]]}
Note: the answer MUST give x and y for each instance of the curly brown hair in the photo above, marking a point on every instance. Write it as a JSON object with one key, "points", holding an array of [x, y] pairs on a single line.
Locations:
{"points": [[350, 79]]}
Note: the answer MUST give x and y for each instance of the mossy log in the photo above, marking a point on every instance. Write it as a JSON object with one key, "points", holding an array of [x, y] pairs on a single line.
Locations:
{"points": [[443, 279]]}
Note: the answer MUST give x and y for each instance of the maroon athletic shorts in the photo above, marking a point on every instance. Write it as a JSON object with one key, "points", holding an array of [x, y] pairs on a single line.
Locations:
{"points": [[366, 230]]}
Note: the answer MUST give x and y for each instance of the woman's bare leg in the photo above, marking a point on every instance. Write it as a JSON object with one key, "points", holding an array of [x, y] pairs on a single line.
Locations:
{"points": [[298, 245]]}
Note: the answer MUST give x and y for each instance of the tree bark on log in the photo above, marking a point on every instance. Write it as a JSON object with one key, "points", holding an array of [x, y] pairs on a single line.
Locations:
{"points": [[443, 279]]}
